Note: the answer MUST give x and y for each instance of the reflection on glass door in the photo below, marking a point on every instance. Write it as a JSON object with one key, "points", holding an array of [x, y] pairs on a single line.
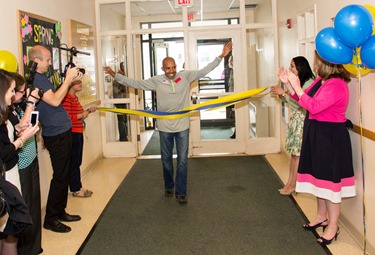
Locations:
{"points": [[118, 128], [220, 123]]}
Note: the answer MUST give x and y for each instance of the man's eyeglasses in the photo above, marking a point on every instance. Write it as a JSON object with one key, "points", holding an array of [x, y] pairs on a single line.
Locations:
{"points": [[23, 92]]}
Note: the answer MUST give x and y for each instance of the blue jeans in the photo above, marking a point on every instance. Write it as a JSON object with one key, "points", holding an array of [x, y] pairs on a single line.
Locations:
{"points": [[166, 148]]}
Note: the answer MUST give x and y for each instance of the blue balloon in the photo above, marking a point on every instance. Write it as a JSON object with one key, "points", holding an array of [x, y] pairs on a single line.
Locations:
{"points": [[331, 49], [368, 53], [353, 25]]}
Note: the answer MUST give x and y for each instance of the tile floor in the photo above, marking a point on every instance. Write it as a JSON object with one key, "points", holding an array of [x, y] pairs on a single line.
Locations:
{"points": [[104, 181]]}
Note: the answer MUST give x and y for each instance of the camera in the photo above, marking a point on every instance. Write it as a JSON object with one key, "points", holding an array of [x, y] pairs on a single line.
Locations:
{"points": [[82, 70], [71, 64], [31, 70]]}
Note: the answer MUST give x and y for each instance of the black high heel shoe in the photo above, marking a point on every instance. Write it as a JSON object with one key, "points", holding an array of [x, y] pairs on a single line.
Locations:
{"points": [[311, 228], [326, 241]]}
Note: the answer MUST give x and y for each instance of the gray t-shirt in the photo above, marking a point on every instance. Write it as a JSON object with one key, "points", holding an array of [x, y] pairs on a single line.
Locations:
{"points": [[172, 95], [54, 120]]}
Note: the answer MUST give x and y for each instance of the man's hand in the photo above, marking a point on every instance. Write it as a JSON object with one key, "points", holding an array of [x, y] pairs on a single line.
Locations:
{"points": [[72, 73], [226, 49], [109, 71]]}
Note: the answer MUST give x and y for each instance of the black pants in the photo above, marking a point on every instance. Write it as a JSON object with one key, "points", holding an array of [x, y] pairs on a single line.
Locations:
{"points": [[75, 163], [60, 150], [122, 124], [30, 242]]}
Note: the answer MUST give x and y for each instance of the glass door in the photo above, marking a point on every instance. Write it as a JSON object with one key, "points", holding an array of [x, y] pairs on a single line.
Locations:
{"points": [[215, 130], [159, 52]]}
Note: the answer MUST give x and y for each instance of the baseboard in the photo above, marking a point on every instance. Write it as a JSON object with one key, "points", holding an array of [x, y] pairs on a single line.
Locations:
{"points": [[91, 166], [357, 236], [285, 154]]}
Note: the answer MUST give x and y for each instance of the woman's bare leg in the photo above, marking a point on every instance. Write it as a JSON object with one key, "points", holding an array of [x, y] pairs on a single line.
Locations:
{"points": [[9, 246], [334, 210]]}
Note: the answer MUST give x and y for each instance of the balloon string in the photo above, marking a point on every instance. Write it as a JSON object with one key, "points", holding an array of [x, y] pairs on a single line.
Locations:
{"points": [[363, 162]]}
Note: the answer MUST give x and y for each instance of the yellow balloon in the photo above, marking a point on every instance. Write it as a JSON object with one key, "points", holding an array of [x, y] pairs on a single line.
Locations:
{"points": [[372, 10], [8, 61], [357, 65]]}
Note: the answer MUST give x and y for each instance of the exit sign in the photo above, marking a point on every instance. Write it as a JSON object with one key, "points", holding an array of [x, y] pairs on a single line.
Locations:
{"points": [[179, 3]]}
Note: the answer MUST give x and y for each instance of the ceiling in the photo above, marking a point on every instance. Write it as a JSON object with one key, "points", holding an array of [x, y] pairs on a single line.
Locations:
{"points": [[165, 7]]}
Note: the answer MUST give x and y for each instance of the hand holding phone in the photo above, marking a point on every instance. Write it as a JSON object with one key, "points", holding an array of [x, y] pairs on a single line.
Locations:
{"points": [[34, 117]]}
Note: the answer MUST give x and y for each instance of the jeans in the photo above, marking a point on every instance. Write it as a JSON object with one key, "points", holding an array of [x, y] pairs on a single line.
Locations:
{"points": [[166, 148], [122, 125]]}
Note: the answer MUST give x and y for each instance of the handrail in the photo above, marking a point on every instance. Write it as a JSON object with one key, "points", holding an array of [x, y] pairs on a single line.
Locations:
{"points": [[365, 132]]}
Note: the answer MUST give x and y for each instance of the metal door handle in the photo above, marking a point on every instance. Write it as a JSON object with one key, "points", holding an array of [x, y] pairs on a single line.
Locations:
{"points": [[194, 97]]}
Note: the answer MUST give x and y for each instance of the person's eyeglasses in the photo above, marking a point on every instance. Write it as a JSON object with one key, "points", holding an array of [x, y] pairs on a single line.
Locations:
{"points": [[21, 91]]}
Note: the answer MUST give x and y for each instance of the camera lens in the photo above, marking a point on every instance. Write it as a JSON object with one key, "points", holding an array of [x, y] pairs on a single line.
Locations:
{"points": [[82, 70]]}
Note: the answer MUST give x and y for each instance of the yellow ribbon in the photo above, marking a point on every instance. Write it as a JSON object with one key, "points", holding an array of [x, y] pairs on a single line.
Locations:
{"points": [[188, 111]]}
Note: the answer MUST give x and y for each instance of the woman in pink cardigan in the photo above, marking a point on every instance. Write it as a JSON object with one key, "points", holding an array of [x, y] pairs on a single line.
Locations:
{"points": [[326, 168]]}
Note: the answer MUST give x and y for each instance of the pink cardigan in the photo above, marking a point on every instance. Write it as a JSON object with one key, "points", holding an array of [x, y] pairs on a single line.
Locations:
{"points": [[329, 103]]}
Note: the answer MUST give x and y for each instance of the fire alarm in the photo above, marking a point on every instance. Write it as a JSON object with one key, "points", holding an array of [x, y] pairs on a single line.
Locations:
{"points": [[289, 23]]}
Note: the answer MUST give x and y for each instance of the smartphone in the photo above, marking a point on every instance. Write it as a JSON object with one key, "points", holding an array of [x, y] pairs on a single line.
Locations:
{"points": [[34, 117]]}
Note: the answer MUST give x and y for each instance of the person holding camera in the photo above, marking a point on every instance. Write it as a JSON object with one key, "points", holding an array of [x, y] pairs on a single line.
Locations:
{"points": [[12, 138], [56, 133], [24, 101], [77, 114]]}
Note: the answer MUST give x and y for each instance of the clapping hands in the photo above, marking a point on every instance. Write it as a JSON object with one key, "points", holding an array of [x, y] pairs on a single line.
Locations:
{"points": [[290, 80], [283, 75]]}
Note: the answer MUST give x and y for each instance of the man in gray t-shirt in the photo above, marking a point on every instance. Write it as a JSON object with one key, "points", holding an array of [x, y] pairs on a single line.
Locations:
{"points": [[173, 94]]}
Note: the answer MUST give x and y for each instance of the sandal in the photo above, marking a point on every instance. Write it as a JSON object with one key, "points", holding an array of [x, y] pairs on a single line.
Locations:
{"points": [[82, 193]]}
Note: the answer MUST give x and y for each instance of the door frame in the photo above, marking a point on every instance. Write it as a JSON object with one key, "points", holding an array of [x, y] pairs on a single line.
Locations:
{"points": [[197, 146]]}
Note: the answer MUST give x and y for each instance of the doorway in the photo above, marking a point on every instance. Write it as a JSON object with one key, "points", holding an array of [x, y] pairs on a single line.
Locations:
{"points": [[216, 124], [211, 131], [254, 64]]}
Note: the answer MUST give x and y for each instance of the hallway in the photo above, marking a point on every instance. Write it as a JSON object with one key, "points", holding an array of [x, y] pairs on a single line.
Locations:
{"points": [[104, 180]]}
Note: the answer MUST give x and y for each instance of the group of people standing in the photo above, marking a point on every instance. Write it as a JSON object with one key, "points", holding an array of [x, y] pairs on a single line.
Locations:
{"points": [[61, 119], [318, 139]]}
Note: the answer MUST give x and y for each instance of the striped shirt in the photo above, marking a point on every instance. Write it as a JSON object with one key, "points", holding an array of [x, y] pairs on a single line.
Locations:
{"points": [[73, 108]]}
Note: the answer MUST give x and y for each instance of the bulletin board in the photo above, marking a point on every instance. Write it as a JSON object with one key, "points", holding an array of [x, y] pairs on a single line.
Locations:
{"points": [[38, 30]]}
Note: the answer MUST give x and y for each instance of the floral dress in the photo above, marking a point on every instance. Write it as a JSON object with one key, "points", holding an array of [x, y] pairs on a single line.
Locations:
{"points": [[295, 127]]}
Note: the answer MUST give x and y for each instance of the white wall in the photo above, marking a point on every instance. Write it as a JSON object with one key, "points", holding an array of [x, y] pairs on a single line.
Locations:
{"points": [[352, 211], [82, 11]]}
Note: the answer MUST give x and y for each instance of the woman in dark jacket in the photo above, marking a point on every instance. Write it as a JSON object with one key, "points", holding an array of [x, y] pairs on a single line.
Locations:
{"points": [[12, 138]]}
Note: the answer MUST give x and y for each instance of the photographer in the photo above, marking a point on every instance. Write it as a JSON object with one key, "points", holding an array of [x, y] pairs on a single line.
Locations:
{"points": [[56, 133], [10, 142], [24, 102]]}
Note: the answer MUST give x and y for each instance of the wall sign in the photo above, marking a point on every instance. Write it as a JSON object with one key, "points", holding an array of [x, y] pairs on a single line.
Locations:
{"points": [[179, 3], [37, 30]]}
